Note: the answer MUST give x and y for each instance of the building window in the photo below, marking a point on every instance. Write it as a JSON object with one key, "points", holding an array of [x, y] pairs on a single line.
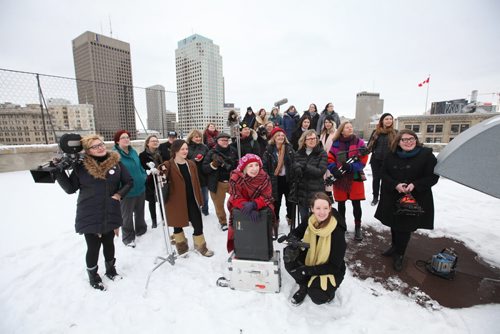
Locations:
{"points": [[439, 128], [463, 127], [430, 128], [454, 128]]}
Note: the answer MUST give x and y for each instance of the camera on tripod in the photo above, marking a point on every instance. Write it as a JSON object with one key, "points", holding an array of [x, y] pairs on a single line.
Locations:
{"points": [[71, 147]]}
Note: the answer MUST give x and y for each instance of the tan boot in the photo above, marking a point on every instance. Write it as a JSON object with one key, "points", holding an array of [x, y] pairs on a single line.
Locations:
{"points": [[181, 243], [201, 246]]}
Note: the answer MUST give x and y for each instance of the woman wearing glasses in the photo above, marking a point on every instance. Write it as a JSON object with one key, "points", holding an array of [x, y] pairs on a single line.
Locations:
{"points": [[103, 181], [408, 169], [132, 205], [308, 168], [151, 153]]}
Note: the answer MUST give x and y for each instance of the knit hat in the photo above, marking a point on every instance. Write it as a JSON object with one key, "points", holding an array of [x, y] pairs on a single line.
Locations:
{"points": [[223, 135], [172, 134], [275, 131], [246, 159], [243, 125], [381, 119], [118, 134], [249, 109]]}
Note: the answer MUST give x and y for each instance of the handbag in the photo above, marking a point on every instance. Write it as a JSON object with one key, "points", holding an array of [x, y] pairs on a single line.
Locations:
{"points": [[407, 206]]}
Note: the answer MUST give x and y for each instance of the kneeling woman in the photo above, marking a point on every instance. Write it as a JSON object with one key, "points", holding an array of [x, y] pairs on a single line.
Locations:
{"points": [[250, 190], [320, 269], [185, 200], [103, 181]]}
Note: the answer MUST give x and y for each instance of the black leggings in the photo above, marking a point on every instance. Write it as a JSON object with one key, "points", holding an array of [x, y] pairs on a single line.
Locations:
{"points": [[194, 214], [376, 173], [400, 240], [94, 245], [152, 210], [356, 209]]}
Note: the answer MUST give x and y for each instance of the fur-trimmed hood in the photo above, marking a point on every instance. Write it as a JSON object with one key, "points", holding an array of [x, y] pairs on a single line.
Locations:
{"points": [[99, 170]]}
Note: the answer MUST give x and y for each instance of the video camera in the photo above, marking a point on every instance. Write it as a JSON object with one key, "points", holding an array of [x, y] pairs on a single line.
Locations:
{"points": [[292, 251], [71, 147]]}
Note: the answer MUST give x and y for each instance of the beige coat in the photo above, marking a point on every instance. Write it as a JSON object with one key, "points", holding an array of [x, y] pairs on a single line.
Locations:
{"points": [[176, 205]]}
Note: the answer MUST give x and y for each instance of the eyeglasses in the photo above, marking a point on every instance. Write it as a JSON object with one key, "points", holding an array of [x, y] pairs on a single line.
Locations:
{"points": [[95, 147], [312, 138], [223, 139], [408, 140], [124, 137]]}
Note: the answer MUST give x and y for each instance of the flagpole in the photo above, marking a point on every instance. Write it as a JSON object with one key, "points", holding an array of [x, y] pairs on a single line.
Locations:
{"points": [[427, 95]]}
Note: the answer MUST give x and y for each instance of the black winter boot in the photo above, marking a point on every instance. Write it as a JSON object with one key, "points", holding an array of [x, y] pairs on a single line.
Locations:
{"points": [[358, 234], [94, 279], [390, 251], [397, 263], [154, 225], [299, 296], [111, 270]]}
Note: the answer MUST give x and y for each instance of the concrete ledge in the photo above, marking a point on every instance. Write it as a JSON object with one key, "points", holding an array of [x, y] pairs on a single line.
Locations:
{"points": [[24, 157]]}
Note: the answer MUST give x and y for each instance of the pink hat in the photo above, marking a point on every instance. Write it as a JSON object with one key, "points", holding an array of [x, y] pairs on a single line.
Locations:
{"points": [[246, 159]]}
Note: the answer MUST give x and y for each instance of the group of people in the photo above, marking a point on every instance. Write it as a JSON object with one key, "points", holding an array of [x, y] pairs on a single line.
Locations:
{"points": [[311, 160]]}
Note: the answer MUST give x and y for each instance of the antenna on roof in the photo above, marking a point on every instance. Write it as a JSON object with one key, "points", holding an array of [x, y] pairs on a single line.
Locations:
{"points": [[110, 27]]}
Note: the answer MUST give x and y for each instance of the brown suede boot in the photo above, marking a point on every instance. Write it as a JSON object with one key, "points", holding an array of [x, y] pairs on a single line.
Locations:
{"points": [[201, 246], [181, 243]]}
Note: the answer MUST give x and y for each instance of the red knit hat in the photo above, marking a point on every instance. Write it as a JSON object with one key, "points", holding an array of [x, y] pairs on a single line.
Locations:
{"points": [[118, 134], [275, 131], [246, 159]]}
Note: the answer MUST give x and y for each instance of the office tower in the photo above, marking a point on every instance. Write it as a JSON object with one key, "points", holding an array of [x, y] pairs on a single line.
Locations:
{"points": [[367, 106], [155, 104], [104, 79], [200, 89]]}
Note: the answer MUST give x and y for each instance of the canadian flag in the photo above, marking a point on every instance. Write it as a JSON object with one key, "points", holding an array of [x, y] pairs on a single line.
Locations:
{"points": [[424, 82]]}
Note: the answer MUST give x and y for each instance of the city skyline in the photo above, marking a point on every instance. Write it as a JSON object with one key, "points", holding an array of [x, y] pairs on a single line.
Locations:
{"points": [[327, 52]]}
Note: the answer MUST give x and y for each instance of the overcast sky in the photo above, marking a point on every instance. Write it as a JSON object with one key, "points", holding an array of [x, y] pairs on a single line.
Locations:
{"points": [[306, 51]]}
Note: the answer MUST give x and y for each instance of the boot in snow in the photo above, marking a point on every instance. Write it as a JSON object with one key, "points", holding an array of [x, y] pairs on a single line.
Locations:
{"points": [[181, 243], [154, 224], [358, 233], [111, 270], [201, 246], [299, 296], [94, 279]]}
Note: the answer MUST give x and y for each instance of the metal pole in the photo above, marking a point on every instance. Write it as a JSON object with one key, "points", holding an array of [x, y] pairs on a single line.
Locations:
{"points": [[427, 95], [41, 108]]}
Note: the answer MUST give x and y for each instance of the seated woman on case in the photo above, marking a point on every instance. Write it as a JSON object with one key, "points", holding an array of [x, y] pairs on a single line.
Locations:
{"points": [[250, 190], [319, 269]]}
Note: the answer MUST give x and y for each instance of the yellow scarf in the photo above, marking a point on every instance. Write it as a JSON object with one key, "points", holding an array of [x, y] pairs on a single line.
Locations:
{"points": [[319, 249]]}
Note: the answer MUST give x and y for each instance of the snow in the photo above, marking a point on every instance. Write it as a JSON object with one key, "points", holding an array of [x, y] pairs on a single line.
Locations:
{"points": [[45, 286]]}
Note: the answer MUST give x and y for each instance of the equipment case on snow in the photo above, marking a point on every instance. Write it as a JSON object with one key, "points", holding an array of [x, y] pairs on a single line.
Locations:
{"points": [[252, 275], [253, 240]]}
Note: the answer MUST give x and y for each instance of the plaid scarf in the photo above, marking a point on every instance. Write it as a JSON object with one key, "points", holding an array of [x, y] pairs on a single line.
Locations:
{"points": [[242, 186]]}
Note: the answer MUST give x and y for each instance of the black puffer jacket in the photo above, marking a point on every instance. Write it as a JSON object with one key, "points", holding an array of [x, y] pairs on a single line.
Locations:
{"points": [[270, 161], [249, 144], [96, 211], [308, 171], [197, 153], [418, 170], [229, 156]]}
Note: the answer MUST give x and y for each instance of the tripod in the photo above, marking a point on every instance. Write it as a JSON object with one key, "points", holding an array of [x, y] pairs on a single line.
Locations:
{"points": [[160, 183]]}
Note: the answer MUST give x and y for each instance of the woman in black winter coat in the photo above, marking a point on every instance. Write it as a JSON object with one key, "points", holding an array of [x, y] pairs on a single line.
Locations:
{"points": [[303, 125], [277, 161], [409, 169], [309, 166], [151, 153], [103, 181], [197, 152], [320, 269], [379, 145]]}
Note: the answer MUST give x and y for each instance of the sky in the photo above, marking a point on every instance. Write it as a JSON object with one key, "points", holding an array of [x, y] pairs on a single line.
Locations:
{"points": [[308, 52]]}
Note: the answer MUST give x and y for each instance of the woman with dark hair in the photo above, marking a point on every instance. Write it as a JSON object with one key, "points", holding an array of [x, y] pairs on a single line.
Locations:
{"points": [[309, 166], [290, 119], [277, 161], [210, 135], [260, 119], [303, 125], [185, 199], [326, 139], [132, 206], [407, 169], [249, 118], [318, 270], [103, 181], [349, 175], [328, 111], [312, 112], [275, 117], [379, 144], [197, 152], [151, 153], [233, 123]]}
